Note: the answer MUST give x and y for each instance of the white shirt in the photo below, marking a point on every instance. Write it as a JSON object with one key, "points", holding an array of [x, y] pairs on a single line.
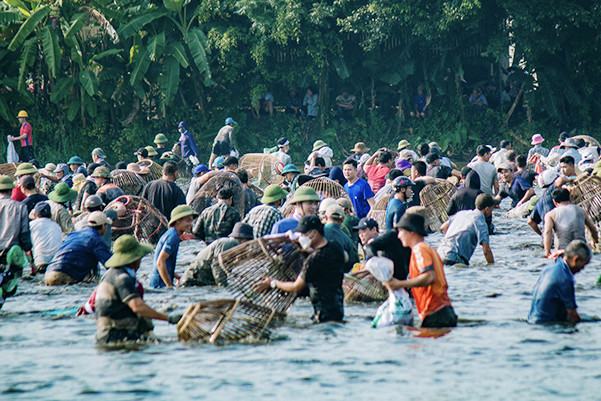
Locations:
{"points": [[47, 237]]}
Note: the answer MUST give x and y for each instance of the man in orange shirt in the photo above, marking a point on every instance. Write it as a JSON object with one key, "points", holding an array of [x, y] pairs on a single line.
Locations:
{"points": [[426, 275]]}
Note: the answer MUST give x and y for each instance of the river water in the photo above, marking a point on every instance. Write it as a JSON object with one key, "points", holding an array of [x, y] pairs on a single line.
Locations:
{"points": [[49, 354]]}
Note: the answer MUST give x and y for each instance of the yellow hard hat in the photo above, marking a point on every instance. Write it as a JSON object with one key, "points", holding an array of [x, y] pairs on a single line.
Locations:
{"points": [[23, 113]]}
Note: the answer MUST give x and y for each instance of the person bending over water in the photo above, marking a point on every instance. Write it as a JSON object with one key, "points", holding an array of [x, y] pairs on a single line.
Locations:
{"points": [[553, 299]]}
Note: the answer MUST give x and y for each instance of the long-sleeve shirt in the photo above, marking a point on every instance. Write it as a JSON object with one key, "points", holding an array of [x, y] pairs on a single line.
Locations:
{"points": [[188, 145], [14, 229], [262, 218]]}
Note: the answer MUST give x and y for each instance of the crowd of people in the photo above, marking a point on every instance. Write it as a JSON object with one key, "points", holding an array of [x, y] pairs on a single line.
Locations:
{"points": [[57, 216]]}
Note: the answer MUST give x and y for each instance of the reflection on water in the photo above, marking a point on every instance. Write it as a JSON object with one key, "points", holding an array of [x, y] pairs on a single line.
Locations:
{"points": [[492, 354]]}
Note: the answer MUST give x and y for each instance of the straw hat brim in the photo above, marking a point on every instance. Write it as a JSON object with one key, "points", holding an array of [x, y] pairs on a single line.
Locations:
{"points": [[182, 215], [53, 196], [122, 259], [25, 171]]}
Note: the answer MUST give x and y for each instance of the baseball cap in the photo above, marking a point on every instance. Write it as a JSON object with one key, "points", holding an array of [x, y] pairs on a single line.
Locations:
{"points": [[308, 223], [366, 223], [97, 219], [42, 209]]}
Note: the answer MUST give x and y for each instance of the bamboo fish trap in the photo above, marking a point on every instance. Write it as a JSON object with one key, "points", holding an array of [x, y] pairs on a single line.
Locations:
{"points": [[325, 188], [586, 193], [435, 198], [378, 212], [207, 194], [130, 182], [245, 265], [589, 139], [142, 220], [362, 286], [8, 169], [156, 171], [266, 169], [227, 320]]}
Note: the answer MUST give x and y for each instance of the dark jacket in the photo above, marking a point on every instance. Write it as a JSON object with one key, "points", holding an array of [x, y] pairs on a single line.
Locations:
{"points": [[465, 198]]}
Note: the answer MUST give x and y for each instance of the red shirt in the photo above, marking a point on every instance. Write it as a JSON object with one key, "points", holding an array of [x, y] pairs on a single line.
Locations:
{"points": [[26, 129], [17, 194], [376, 176]]}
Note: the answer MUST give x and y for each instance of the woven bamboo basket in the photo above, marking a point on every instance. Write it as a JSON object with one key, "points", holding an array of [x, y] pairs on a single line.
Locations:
{"points": [[130, 182], [435, 198], [378, 212], [586, 193], [156, 171], [257, 190], [207, 194], [142, 220], [362, 286], [8, 169], [324, 187], [265, 169], [227, 320], [591, 141], [245, 265]]}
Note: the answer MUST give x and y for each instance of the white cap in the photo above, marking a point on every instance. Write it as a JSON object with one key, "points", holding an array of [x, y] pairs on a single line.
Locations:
{"points": [[325, 203], [97, 219]]}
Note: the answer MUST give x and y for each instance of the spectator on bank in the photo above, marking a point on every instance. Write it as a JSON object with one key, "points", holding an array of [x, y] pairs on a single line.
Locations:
{"points": [[311, 102], [294, 104], [420, 103], [345, 106], [478, 100]]}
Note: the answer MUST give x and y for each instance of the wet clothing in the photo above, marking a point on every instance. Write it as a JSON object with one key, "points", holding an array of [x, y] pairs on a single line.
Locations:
{"points": [[262, 218], [417, 189], [334, 233], [61, 215], [82, 223], [516, 191], [528, 175], [14, 229], [444, 317], [188, 145], [359, 193], [206, 269], [80, 254], [47, 238], [465, 198], [432, 298], [169, 242], [288, 223], [553, 294], [568, 225], [394, 211], [543, 205], [109, 192], [376, 176], [215, 222], [164, 195], [440, 171], [487, 173], [33, 200], [115, 321], [467, 229], [390, 246], [224, 141], [323, 273]]}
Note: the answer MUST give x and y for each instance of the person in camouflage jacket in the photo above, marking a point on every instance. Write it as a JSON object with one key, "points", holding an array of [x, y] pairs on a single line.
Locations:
{"points": [[218, 220]]}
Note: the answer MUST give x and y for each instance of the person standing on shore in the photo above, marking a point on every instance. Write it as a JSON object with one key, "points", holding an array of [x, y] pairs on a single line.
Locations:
{"points": [[25, 136], [224, 141], [188, 144]]}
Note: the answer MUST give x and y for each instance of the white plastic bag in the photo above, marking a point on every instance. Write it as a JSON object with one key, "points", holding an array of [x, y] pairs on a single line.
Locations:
{"points": [[11, 154], [380, 267], [397, 309]]}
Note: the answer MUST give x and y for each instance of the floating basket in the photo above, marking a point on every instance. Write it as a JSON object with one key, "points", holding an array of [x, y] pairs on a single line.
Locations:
{"points": [[207, 194], [156, 171], [245, 265], [265, 169], [227, 320], [362, 286], [378, 212], [324, 187], [142, 220], [130, 182], [435, 198]]}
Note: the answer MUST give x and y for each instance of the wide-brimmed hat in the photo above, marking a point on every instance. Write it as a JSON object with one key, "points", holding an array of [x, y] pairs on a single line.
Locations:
{"points": [[360, 148], [49, 167], [536, 139], [180, 212], [290, 168], [25, 168], [242, 230], [101, 172], [273, 193], [403, 143], [126, 250], [62, 193], [98, 152], [136, 168], [79, 178], [305, 194], [151, 151], [318, 145], [23, 113], [61, 167], [160, 138], [412, 222], [75, 160], [6, 183], [569, 143]]}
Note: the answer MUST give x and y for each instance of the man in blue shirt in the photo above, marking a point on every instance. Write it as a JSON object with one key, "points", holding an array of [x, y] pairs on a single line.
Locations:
{"points": [[80, 253], [554, 300], [188, 144], [516, 188], [546, 180], [357, 189], [305, 201], [403, 190]]}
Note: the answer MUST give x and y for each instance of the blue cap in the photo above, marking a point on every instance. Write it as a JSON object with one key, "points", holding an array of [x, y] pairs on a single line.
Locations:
{"points": [[200, 168], [229, 120], [182, 124], [218, 162], [42, 209]]}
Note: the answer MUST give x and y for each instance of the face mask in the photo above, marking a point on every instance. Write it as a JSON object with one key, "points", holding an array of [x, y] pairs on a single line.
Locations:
{"points": [[305, 241]]}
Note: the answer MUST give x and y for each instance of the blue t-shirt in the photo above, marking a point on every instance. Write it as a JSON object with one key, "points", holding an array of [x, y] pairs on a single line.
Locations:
{"points": [[553, 294], [543, 206], [282, 226], [169, 242], [420, 102], [359, 193], [516, 192], [394, 211], [467, 229]]}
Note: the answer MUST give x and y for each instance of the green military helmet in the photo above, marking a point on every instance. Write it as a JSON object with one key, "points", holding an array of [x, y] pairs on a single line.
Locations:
{"points": [[127, 250], [290, 168], [62, 193], [160, 138], [180, 212], [6, 183], [25, 169], [305, 194], [273, 193]]}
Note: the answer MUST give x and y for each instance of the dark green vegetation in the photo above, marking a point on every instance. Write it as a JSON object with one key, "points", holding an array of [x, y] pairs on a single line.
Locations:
{"points": [[114, 73]]}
